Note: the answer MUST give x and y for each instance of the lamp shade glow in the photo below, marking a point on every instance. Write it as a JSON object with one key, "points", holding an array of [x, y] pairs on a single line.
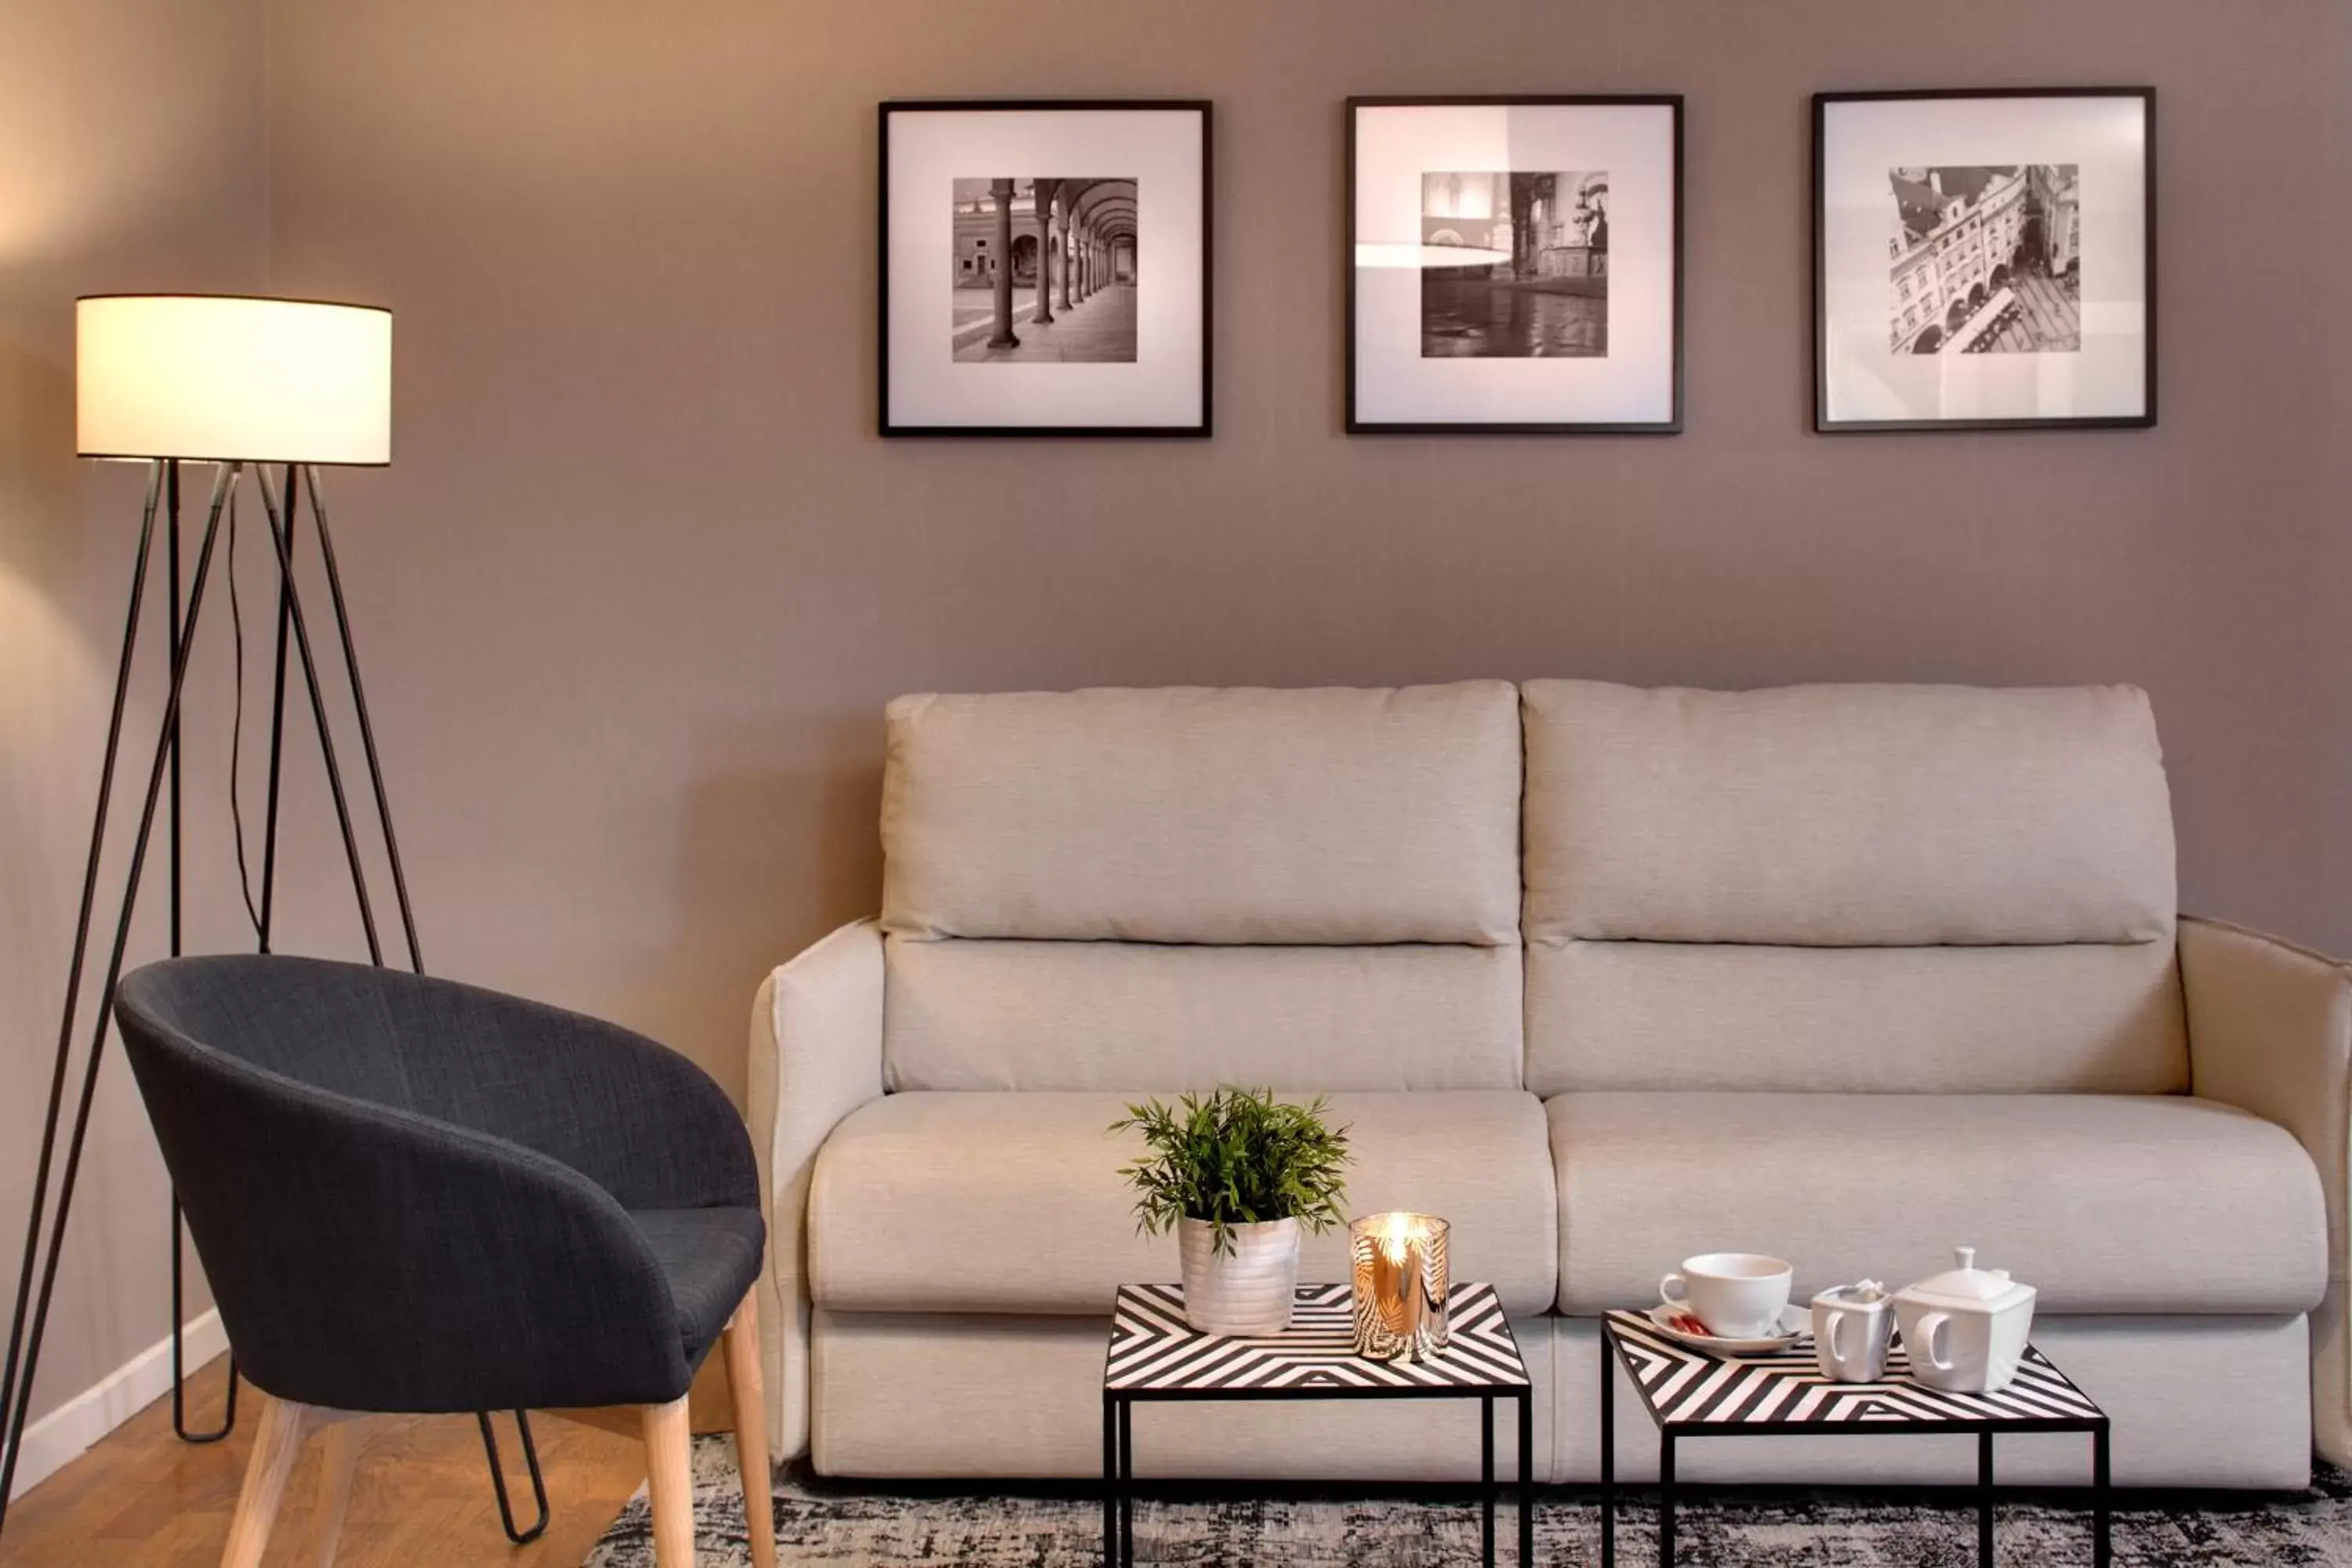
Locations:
{"points": [[232, 378]]}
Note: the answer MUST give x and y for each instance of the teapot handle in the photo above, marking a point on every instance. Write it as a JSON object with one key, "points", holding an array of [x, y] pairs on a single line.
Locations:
{"points": [[1928, 1328], [1837, 1322]]}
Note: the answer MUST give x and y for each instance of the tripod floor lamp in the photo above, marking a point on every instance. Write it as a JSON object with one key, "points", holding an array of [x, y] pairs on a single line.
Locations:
{"points": [[272, 390]]}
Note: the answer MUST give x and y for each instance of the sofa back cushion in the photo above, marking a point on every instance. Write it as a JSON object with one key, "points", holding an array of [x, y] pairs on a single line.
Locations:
{"points": [[1154, 890], [1184, 815], [1896, 888]]}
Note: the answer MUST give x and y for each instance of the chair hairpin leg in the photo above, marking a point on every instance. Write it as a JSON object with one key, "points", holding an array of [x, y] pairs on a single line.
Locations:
{"points": [[499, 1477], [179, 1369]]}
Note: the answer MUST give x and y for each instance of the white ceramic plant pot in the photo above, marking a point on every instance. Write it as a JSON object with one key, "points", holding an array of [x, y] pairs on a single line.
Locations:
{"points": [[1246, 1291]]}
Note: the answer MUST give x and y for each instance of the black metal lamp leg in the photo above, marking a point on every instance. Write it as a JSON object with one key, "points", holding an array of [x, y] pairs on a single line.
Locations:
{"points": [[173, 843], [58, 1073], [280, 534], [268, 910], [499, 1477], [360, 707], [172, 735], [30, 1336]]}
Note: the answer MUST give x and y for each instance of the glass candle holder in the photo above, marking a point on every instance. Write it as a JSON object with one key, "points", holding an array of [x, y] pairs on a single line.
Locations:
{"points": [[1400, 1286]]}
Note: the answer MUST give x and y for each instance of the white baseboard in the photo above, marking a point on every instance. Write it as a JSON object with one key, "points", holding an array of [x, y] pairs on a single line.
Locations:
{"points": [[61, 1437]]}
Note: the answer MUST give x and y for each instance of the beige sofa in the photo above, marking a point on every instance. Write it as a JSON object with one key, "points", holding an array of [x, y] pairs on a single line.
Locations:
{"points": [[1606, 976]]}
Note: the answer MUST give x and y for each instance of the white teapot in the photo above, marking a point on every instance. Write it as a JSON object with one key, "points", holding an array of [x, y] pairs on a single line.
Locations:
{"points": [[1965, 1330]]}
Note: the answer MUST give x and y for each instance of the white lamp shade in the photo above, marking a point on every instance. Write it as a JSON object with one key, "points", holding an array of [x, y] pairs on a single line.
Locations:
{"points": [[231, 378]]}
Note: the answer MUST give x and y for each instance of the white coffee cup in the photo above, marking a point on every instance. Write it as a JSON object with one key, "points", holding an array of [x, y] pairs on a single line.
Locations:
{"points": [[1737, 1295]]}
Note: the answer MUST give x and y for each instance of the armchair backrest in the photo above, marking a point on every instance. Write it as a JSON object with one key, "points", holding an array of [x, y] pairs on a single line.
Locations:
{"points": [[373, 1241]]}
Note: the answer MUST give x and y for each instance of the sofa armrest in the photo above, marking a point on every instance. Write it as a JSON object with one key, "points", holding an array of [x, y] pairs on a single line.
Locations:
{"points": [[816, 1055], [2270, 1031]]}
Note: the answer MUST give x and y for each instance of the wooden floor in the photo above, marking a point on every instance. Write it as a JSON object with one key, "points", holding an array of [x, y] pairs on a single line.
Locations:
{"points": [[142, 1499]]}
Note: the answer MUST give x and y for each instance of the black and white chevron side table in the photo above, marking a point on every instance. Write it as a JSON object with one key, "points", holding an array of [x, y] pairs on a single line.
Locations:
{"points": [[1156, 1355], [1691, 1394]]}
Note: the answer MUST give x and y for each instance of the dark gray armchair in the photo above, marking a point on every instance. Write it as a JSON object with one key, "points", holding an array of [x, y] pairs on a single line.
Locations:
{"points": [[412, 1196]]}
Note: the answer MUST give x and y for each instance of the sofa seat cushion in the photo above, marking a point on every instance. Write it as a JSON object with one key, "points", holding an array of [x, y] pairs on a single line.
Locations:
{"points": [[2110, 1203], [1013, 1202]]}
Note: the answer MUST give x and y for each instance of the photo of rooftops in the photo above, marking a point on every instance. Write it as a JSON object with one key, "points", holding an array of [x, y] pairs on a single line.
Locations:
{"points": [[1983, 259]]}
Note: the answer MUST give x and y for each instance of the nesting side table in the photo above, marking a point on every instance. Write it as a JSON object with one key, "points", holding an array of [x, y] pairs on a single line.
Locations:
{"points": [[1156, 1355], [1691, 1393]]}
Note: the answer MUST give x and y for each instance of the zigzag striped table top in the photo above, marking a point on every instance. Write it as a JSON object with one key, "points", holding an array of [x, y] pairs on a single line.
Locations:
{"points": [[1684, 1387], [1153, 1350]]}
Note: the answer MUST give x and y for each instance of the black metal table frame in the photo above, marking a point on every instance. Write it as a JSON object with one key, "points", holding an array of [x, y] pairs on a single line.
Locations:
{"points": [[1118, 1451], [1984, 1431]]}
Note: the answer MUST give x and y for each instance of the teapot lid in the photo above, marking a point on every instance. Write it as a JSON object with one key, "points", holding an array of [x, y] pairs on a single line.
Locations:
{"points": [[1967, 1282]]}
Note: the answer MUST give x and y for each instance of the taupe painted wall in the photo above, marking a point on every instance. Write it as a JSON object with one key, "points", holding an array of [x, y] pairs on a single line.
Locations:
{"points": [[131, 155], [642, 575]]}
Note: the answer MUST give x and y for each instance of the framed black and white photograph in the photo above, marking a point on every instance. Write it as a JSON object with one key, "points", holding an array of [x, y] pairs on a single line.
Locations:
{"points": [[1045, 268], [1984, 260], [1514, 264]]}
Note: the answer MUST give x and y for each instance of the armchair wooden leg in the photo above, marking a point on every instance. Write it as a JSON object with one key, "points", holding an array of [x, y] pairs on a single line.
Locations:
{"points": [[344, 1441], [277, 1442], [751, 1428], [669, 1479]]}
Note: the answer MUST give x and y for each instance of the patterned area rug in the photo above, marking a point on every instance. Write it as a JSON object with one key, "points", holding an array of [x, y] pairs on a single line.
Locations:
{"points": [[822, 1523]]}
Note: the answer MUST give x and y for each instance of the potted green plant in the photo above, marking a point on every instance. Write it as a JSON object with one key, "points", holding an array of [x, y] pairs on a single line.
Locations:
{"points": [[1235, 1174]]}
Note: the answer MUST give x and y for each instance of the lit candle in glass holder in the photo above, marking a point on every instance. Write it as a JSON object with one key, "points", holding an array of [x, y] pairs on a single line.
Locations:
{"points": [[1400, 1286]]}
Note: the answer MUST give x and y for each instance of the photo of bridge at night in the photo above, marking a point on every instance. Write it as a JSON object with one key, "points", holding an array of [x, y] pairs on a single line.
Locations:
{"points": [[1534, 278]]}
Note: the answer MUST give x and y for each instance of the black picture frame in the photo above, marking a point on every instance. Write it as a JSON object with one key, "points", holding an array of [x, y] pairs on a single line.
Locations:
{"points": [[1356, 426], [1203, 106], [1823, 423]]}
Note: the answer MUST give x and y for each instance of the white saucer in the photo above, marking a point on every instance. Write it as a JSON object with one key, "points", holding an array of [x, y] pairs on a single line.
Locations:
{"points": [[1796, 1322]]}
